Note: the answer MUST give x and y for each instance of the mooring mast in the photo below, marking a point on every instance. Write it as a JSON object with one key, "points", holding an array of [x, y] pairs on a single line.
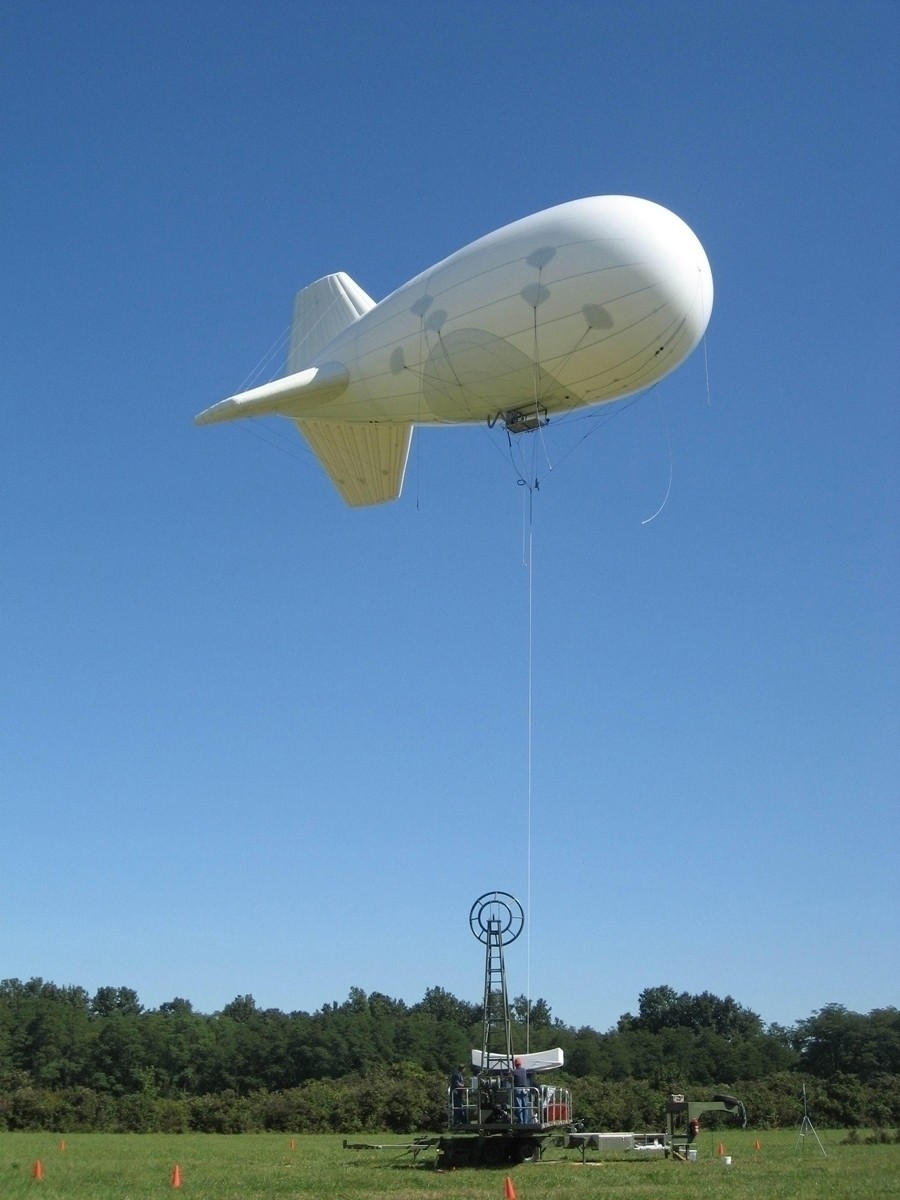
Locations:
{"points": [[496, 919], [500, 1113]]}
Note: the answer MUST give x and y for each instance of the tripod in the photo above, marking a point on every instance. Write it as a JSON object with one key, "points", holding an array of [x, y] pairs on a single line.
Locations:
{"points": [[807, 1127]]}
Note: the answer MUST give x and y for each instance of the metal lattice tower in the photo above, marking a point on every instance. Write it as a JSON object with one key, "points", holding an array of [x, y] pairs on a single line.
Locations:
{"points": [[496, 919]]}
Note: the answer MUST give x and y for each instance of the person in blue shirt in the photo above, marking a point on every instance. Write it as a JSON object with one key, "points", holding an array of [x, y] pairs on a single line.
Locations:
{"points": [[522, 1085]]}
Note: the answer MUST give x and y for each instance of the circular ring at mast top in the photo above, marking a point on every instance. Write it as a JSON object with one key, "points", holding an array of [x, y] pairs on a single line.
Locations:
{"points": [[498, 914]]}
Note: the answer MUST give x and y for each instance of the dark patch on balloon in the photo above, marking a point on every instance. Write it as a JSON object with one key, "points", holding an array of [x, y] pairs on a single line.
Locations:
{"points": [[540, 258], [422, 305], [534, 294], [436, 320], [398, 363], [597, 316]]}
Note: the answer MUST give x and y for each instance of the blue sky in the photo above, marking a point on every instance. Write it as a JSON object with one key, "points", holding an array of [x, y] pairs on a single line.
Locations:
{"points": [[252, 741]]}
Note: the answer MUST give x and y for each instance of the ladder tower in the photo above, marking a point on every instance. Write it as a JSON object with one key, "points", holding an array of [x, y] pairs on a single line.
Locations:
{"points": [[496, 919]]}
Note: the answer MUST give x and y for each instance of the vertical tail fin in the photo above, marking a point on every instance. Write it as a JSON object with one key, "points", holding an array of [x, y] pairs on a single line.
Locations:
{"points": [[321, 312]]}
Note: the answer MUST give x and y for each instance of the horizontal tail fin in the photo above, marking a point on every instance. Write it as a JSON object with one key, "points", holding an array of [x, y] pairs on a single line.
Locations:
{"points": [[322, 311], [288, 395], [366, 460]]}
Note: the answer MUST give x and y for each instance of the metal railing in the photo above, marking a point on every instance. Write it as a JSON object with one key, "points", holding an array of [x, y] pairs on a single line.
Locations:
{"points": [[496, 1103]]}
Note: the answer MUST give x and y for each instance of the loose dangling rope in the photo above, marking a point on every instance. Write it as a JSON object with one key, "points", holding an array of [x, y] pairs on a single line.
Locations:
{"points": [[705, 355], [662, 417]]}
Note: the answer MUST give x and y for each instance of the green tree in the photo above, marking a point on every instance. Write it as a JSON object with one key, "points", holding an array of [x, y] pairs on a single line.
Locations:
{"points": [[241, 1008], [116, 1001], [443, 1006], [120, 1061], [177, 1007], [662, 1008], [179, 1044], [836, 1041]]}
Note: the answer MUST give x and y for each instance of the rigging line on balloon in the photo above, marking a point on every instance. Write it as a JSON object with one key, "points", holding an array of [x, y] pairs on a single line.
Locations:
{"points": [[536, 377], [508, 456], [282, 341], [546, 450], [439, 384], [705, 354], [536, 445], [617, 332], [567, 416], [538, 372], [532, 482], [418, 441], [278, 345], [597, 423], [324, 312], [286, 444], [517, 462], [418, 426], [459, 383], [527, 514], [561, 363], [662, 415]]}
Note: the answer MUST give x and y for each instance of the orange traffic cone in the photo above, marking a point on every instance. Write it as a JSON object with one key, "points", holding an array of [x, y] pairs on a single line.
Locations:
{"points": [[756, 1145], [510, 1189], [176, 1176], [293, 1144], [62, 1145], [37, 1171], [720, 1149]]}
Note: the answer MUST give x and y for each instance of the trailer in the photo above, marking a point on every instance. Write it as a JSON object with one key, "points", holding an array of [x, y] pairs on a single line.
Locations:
{"points": [[498, 1137], [493, 1120], [502, 1113], [676, 1141]]}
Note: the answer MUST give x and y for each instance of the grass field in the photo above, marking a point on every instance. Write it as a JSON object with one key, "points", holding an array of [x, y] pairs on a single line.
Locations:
{"points": [[263, 1166]]}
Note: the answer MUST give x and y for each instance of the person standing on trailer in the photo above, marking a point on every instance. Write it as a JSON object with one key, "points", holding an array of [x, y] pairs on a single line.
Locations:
{"points": [[522, 1085], [458, 1094]]}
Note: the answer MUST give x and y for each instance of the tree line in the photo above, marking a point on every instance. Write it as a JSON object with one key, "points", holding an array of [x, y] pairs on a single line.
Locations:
{"points": [[70, 1060]]}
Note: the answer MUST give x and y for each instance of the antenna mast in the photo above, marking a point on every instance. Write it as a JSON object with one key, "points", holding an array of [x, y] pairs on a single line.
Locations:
{"points": [[496, 919], [806, 1126]]}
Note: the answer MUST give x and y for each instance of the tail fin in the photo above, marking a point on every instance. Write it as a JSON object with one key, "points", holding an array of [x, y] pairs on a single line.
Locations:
{"points": [[321, 312], [366, 460]]}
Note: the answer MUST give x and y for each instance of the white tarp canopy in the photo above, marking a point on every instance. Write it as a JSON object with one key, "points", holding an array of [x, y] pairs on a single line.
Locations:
{"points": [[541, 1060]]}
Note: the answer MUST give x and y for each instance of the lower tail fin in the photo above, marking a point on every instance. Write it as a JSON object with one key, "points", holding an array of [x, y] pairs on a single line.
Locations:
{"points": [[366, 460]]}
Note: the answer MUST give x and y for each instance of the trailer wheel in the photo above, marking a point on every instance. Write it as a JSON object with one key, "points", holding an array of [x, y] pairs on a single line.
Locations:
{"points": [[527, 1150]]}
